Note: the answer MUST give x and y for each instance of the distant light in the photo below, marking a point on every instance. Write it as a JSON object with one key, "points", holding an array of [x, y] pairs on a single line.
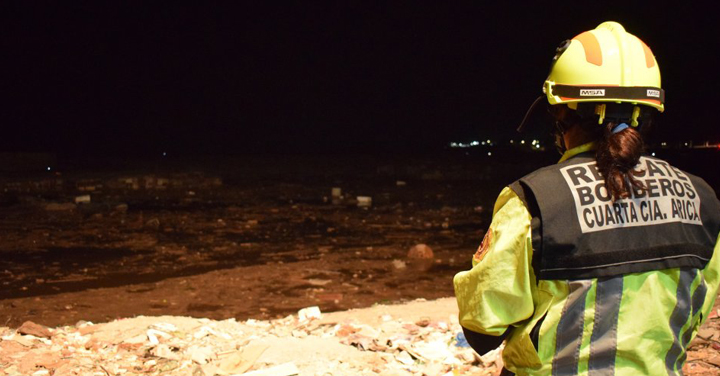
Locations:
{"points": [[489, 142], [653, 154], [522, 142], [474, 143], [512, 141], [489, 153], [48, 168], [164, 154]]}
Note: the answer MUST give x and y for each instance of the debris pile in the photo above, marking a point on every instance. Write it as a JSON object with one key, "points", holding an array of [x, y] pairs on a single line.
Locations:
{"points": [[392, 340], [302, 344], [703, 356]]}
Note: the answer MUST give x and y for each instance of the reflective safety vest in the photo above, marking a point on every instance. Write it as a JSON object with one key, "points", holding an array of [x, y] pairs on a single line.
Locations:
{"points": [[586, 286], [583, 233]]}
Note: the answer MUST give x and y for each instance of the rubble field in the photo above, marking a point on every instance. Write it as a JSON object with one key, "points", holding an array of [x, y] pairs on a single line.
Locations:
{"points": [[414, 338]]}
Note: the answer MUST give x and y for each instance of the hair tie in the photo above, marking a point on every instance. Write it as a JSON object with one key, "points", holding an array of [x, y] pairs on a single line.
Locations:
{"points": [[620, 127]]}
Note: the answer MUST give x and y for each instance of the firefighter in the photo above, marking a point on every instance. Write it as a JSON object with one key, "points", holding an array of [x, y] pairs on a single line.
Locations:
{"points": [[607, 262]]}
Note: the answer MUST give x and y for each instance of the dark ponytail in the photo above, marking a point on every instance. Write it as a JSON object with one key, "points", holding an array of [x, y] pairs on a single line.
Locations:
{"points": [[617, 155]]}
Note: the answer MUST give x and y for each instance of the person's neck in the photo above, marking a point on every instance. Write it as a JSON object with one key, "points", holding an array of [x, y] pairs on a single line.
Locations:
{"points": [[576, 136]]}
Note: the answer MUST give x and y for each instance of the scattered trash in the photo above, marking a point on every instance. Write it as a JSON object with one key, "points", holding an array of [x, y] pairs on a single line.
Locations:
{"points": [[287, 346], [309, 313], [405, 358], [153, 335], [399, 264], [336, 195], [171, 346], [241, 361], [364, 201], [84, 199], [461, 341]]}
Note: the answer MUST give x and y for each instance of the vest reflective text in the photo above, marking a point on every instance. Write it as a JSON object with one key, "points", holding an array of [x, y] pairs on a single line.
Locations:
{"points": [[580, 232], [670, 196]]}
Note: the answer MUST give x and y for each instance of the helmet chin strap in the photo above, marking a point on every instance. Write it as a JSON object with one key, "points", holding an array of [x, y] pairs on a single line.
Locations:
{"points": [[560, 129], [560, 143]]}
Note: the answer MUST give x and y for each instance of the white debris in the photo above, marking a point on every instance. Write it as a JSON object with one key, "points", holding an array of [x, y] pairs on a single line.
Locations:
{"points": [[84, 199], [302, 343], [364, 201], [399, 264], [309, 313], [153, 335], [164, 326], [405, 358], [200, 354]]}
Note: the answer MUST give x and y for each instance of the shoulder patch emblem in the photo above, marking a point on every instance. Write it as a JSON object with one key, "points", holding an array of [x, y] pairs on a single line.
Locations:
{"points": [[484, 246]]}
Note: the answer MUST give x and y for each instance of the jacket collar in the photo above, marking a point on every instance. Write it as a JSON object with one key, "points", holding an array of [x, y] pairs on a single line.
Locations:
{"points": [[592, 145]]}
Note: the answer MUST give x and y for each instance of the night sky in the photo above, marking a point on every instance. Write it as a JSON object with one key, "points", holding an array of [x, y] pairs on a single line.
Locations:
{"points": [[142, 78]]}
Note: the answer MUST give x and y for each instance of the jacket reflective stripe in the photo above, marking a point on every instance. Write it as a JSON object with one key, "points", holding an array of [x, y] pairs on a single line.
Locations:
{"points": [[603, 341], [686, 308], [697, 302], [679, 318], [570, 329]]}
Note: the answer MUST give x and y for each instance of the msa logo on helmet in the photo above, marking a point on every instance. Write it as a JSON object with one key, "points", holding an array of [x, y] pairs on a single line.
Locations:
{"points": [[592, 92], [653, 93]]}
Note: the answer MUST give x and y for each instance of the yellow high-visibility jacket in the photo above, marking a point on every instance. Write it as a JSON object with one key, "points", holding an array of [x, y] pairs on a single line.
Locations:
{"points": [[658, 312]]}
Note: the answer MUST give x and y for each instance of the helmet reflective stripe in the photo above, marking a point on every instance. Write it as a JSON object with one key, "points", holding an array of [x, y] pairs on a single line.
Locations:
{"points": [[606, 64], [649, 57], [567, 93], [593, 53]]}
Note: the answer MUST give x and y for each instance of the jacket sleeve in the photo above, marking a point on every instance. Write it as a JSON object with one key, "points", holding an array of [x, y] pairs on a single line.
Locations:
{"points": [[498, 291], [711, 275]]}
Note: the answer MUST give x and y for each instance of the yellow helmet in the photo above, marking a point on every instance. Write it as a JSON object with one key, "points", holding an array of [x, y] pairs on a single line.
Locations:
{"points": [[606, 64]]}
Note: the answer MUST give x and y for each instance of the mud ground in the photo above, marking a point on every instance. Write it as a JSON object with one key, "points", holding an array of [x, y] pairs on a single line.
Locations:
{"points": [[249, 237], [241, 237]]}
